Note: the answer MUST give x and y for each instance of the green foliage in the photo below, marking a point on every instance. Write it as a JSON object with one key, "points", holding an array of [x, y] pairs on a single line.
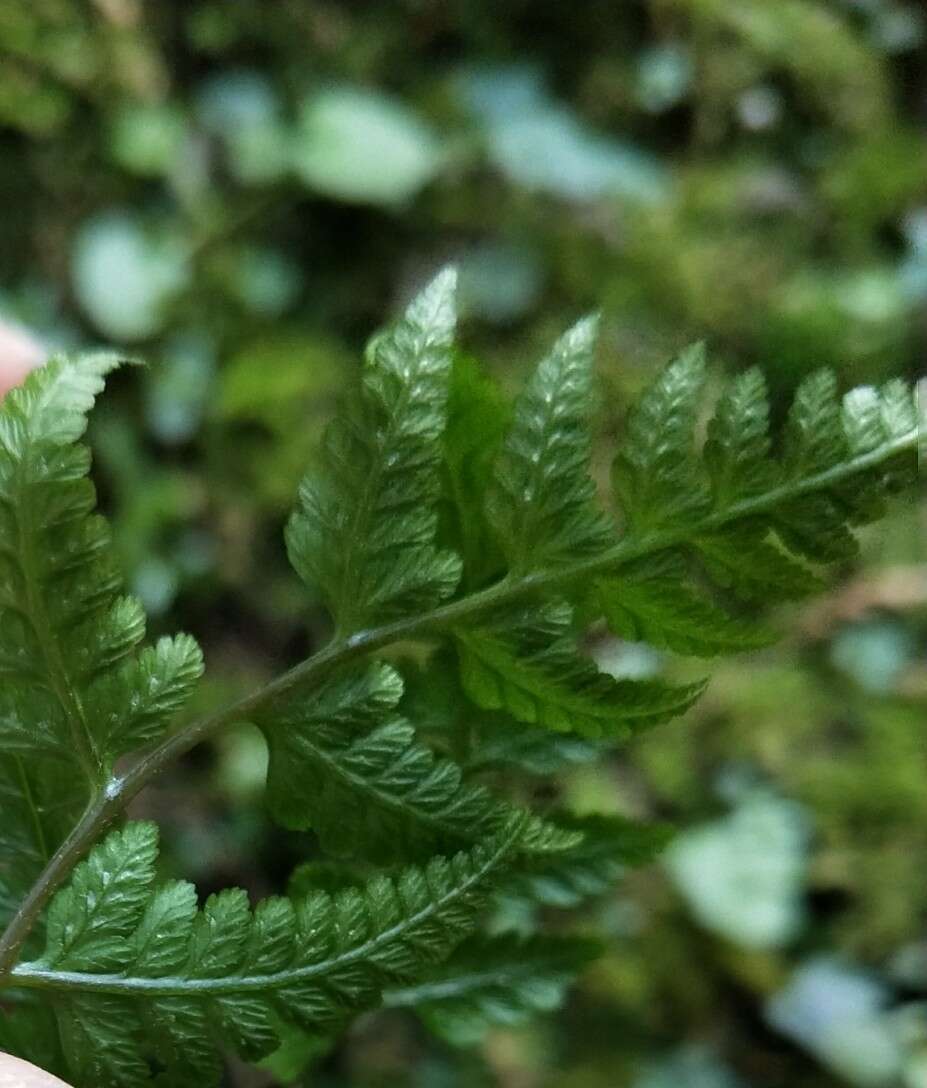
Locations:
{"points": [[346, 765], [529, 664], [656, 602], [544, 507], [656, 473], [142, 982], [76, 694], [365, 531], [478, 418], [73, 687], [495, 983], [610, 845], [243, 189], [142, 976]]}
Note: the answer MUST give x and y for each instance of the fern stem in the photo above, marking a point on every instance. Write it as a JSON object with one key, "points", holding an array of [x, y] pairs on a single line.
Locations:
{"points": [[120, 791]]}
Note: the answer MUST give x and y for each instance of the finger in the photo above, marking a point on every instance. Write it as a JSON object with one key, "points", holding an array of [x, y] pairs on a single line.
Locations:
{"points": [[15, 1073], [19, 353]]}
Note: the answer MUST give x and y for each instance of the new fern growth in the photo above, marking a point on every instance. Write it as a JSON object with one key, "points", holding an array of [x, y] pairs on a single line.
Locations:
{"points": [[439, 514]]}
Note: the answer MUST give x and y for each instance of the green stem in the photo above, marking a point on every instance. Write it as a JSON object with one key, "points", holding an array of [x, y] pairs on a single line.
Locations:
{"points": [[120, 791]]}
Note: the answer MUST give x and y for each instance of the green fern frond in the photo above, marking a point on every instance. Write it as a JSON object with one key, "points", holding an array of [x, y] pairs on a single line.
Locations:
{"points": [[39, 802], [347, 765], [479, 417], [495, 982], [543, 504], [365, 530], [138, 975], [528, 664], [610, 846], [66, 634], [656, 473], [657, 601], [74, 695], [718, 515], [737, 452], [505, 743], [754, 525]]}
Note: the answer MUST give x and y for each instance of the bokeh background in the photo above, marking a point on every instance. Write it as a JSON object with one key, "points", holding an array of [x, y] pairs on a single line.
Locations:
{"points": [[238, 192]]}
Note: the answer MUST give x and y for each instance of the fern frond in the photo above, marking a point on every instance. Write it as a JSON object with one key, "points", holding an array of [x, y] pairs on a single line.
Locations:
{"points": [[139, 979], [543, 504], [495, 982], [344, 763], [657, 601], [74, 694], [66, 634], [59, 583], [757, 526], [737, 452], [365, 529], [479, 416], [40, 803], [137, 974], [610, 846], [656, 474], [503, 742], [527, 663]]}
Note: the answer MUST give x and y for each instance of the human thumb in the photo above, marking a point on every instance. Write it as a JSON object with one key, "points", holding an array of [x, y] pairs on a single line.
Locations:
{"points": [[15, 1073]]}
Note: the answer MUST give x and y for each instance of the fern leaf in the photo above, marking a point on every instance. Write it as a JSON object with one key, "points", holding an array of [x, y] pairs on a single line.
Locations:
{"points": [[131, 705], [139, 975], [760, 527], [528, 664], [65, 631], [364, 532], [40, 802], [814, 435], [753, 566], [656, 602], [657, 475], [503, 743], [611, 845], [88, 922], [345, 764], [737, 452], [543, 505], [57, 575], [495, 982], [479, 416]]}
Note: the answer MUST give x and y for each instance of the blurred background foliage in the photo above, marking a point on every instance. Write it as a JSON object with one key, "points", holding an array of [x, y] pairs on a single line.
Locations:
{"points": [[238, 192]]}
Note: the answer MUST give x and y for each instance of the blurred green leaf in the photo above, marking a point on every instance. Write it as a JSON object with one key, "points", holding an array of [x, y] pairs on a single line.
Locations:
{"points": [[363, 147]]}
